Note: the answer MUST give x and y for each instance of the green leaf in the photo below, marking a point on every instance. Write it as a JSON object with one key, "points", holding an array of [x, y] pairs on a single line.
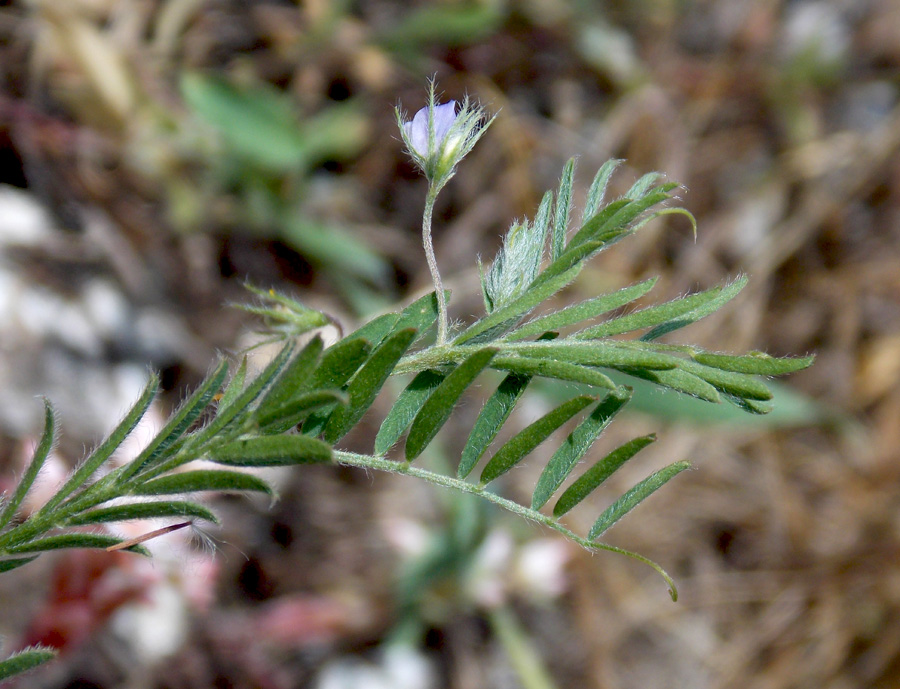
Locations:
{"points": [[331, 245], [598, 189], [34, 467], [600, 353], [408, 404], [240, 406], [563, 210], [751, 406], [754, 363], [143, 510], [202, 479], [582, 312], [11, 563], [617, 216], [286, 315], [640, 188], [493, 415], [737, 384], [298, 410], [597, 474], [569, 260], [235, 385], [541, 226], [366, 384], [375, 330], [666, 314], [178, 424], [576, 446], [791, 409], [105, 449], [292, 378], [259, 124], [591, 230], [451, 25], [679, 380], [339, 363], [634, 497], [516, 266], [506, 316], [75, 540], [25, 660], [437, 409], [550, 368], [276, 450], [520, 445], [704, 308], [421, 315]]}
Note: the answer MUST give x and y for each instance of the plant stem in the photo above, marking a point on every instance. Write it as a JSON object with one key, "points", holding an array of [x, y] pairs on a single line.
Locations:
{"points": [[404, 468], [433, 190], [521, 653]]}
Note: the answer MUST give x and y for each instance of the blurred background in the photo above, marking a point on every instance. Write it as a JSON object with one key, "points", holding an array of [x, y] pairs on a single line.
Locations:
{"points": [[157, 154]]}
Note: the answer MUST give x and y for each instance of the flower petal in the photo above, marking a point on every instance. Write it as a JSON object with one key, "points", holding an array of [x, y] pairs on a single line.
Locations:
{"points": [[444, 117], [417, 131]]}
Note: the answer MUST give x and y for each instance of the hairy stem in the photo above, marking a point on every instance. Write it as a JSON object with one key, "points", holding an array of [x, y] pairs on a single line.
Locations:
{"points": [[404, 468], [432, 263]]}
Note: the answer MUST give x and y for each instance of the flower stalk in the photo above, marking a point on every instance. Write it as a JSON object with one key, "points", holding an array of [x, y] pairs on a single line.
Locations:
{"points": [[437, 138], [442, 324]]}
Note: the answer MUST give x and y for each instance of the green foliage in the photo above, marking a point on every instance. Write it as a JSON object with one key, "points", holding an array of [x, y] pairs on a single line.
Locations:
{"points": [[449, 24], [575, 447], [439, 405], [37, 461], [634, 497], [519, 260], [260, 124], [522, 444], [308, 398], [25, 660], [493, 415], [406, 408]]}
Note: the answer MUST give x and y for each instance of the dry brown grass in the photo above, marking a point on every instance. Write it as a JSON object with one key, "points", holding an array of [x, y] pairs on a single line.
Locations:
{"points": [[785, 544]]}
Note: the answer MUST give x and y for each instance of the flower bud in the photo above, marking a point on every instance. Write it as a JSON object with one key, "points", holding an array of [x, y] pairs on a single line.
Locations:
{"points": [[439, 135]]}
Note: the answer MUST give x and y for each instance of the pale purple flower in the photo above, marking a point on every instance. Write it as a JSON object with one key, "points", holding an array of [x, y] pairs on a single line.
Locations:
{"points": [[440, 135], [417, 128]]}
